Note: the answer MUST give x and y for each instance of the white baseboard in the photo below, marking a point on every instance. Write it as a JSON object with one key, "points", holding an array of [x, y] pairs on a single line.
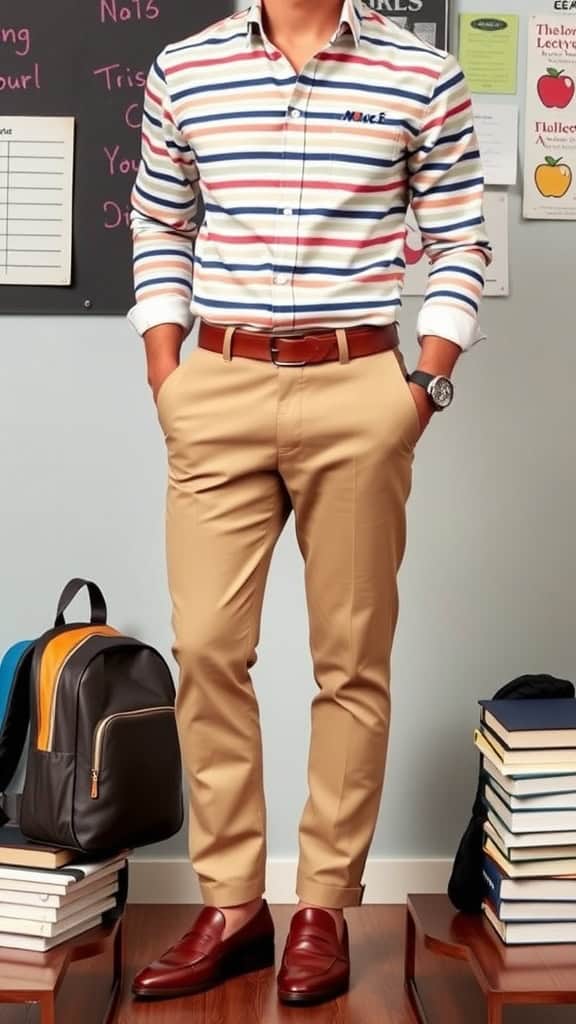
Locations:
{"points": [[387, 881]]}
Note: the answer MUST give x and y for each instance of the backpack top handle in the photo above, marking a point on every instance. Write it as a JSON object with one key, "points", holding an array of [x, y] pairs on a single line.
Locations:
{"points": [[98, 611]]}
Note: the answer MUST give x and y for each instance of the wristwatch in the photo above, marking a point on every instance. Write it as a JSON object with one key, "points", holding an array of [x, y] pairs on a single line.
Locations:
{"points": [[440, 390]]}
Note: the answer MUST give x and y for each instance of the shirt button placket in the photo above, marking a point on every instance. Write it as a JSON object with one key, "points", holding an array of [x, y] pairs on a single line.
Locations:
{"points": [[285, 225], [289, 198]]}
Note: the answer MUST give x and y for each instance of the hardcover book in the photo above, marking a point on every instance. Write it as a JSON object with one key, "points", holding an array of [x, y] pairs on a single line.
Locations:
{"points": [[16, 849], [530, 821], [537, 851], [529, 868], [499, 887], [532, 723], [50, 929], [61, 880], [489, 745], [40, 944], [530, 932], [530, 785]]}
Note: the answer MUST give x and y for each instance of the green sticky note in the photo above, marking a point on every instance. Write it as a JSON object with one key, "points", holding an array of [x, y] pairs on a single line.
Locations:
{"points": [[489, 51]]}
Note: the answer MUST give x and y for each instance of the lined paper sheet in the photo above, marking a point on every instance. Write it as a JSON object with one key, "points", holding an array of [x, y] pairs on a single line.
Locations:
{"points": [[497, 227], [36, 188]]}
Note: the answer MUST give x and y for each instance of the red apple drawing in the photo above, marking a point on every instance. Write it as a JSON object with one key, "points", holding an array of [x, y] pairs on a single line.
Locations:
{"points": [[412, 255], [556, 89]]}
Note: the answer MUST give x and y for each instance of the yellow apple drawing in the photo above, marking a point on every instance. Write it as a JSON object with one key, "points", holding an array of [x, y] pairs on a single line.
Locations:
{"points": [[553, 178]]}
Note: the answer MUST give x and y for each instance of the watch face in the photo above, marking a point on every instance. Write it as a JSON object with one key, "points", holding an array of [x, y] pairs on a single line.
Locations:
{"points": [[442, 392]]}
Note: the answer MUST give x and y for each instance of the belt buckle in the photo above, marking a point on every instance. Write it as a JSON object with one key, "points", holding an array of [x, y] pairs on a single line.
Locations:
{"points": [[280, 362]]}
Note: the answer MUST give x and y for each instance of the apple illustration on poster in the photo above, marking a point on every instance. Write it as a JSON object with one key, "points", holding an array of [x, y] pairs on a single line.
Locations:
{"points": [[556, 89], [553, 178], [413, 249]]}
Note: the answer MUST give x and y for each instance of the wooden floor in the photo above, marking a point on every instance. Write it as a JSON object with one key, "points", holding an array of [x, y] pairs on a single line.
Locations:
{"points": [[376, 992]]}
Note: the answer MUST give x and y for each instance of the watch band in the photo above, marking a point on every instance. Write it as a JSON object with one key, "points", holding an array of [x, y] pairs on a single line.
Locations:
{"points": [[421, 378]]}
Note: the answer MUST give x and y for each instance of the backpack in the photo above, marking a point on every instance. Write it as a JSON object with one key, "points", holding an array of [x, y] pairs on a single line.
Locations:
{"points": [[103, 770], [466, 887]]}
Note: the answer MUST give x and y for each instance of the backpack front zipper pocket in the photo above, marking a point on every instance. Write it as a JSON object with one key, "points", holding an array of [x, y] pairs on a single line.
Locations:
{"points": [[100, 735]]}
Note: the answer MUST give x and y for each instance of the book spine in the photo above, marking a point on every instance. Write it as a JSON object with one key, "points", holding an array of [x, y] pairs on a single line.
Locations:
{"points": [[492, 880]]}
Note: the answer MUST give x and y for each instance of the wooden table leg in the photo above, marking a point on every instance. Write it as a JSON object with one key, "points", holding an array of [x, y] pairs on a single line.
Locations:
{"points": [[48, 1009], [494, 1008], [412, 995], [409, 948], [117, 961]]}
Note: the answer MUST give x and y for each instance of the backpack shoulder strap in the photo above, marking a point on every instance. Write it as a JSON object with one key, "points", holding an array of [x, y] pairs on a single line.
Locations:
{"points": [[15, 669]]}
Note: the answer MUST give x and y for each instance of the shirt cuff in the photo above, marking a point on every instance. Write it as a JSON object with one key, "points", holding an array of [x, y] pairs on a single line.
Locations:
{"points": [[161, 309], [449, 323]]}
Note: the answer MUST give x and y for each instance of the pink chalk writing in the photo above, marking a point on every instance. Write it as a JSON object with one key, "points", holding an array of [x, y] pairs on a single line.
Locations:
{"points": [[129, 10], [21, 83], [119, 164], [17, 38], [115, 76], [115, 216], [133, 116]]}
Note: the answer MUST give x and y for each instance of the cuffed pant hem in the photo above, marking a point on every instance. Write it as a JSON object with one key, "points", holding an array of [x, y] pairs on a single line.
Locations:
{"points": [[222, 894], [329, 895]]}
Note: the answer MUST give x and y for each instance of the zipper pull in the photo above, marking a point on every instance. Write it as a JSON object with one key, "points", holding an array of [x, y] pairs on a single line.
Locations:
{"points": [[94, 790]]}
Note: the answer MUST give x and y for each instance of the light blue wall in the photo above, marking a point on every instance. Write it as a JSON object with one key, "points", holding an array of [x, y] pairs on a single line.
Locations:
{"points": [[487, 585]]}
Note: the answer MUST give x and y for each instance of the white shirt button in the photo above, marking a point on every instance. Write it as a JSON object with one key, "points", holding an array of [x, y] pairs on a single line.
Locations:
{"points": [[281, 279], [288, 211], [295, 112]]}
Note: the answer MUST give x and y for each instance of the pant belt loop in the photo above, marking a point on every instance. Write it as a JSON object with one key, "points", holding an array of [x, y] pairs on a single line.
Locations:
{"points": [[227, 343], [343, 352]]}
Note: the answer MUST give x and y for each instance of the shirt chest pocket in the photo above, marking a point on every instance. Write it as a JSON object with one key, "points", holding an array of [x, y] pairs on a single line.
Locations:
{"points": [[366, 147]]}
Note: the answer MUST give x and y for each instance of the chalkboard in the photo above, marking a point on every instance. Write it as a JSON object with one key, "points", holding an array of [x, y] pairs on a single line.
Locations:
{"points": [[89, 59]]}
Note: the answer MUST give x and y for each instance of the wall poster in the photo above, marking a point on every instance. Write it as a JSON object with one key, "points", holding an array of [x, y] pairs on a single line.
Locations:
{"points": [[428, 19], [550, 142]]}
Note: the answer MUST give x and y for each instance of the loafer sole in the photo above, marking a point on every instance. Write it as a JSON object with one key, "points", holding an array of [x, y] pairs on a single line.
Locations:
{"points": [[309, 998]]}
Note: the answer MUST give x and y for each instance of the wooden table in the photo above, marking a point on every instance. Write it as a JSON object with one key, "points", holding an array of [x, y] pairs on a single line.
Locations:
{"points": [[36, 977], [544, 974]]}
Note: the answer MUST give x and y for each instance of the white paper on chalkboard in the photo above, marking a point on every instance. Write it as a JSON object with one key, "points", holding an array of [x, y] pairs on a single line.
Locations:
{"points": [[497, 228], [36, 188]]}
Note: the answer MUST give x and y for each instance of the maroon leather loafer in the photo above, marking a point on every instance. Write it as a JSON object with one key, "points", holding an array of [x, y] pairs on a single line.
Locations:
{"points": [[201, 959], [315, 964]]}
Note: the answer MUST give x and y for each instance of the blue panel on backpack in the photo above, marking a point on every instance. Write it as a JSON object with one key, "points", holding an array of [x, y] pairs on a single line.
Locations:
{"points": [[8, 667]]}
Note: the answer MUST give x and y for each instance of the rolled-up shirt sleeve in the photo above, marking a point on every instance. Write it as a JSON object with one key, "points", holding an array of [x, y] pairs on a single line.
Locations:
{"points": [[164, 202], [446, 193]]}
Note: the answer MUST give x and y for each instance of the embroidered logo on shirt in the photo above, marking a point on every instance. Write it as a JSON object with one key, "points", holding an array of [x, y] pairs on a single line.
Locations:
{"points": [[358, 115]]}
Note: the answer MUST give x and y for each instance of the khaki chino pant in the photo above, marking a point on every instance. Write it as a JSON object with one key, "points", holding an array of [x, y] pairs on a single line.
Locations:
{"points": [[247, 442]]}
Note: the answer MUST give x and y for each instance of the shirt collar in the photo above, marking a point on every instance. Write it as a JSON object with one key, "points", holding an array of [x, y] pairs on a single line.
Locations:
{"points": [[253, 21], [350, 19]]}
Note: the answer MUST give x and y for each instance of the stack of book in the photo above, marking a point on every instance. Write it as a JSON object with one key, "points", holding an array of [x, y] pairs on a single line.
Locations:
{"points": [[528, 752], [49, 895]]}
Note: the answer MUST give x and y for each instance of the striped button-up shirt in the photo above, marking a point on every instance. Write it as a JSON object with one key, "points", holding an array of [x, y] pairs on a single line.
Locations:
{"points": [[305, 180]]}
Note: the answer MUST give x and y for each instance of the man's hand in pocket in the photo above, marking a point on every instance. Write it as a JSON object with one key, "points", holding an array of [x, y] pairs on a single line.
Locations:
{"points": [[163, 344]]}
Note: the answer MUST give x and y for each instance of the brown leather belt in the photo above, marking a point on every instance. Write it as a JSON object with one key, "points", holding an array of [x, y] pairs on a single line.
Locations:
{"points": [[314, 346]]}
